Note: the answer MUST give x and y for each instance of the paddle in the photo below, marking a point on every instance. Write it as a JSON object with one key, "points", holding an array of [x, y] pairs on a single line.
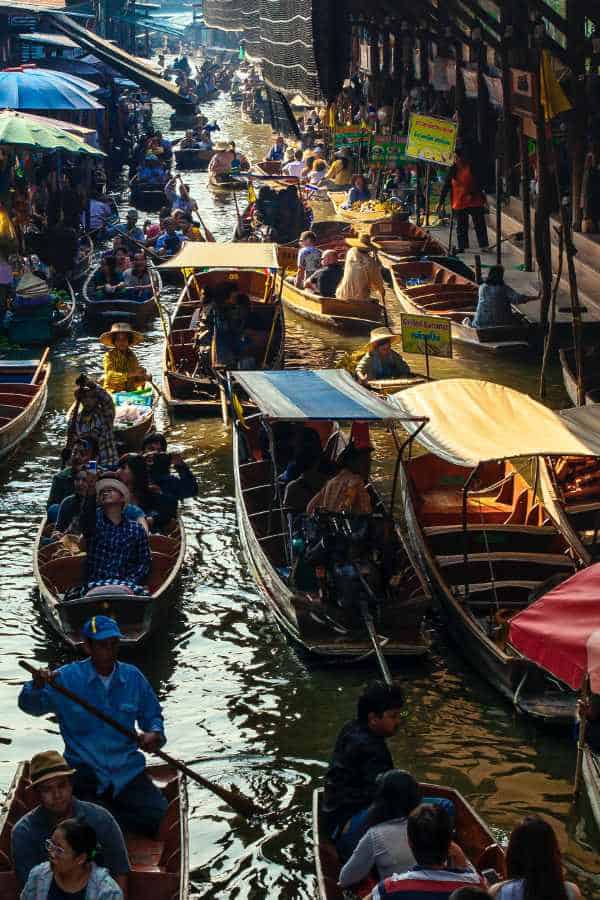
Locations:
{"points": [[368, 620], [40, 365], [234, 798], [210, 238]]}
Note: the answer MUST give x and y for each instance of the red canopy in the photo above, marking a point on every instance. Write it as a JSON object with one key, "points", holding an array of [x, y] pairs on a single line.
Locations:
{"points": [[554, 631]]}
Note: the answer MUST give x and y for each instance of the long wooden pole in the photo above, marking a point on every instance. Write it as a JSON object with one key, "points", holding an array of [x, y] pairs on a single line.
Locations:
{"points": [[234, 798]]}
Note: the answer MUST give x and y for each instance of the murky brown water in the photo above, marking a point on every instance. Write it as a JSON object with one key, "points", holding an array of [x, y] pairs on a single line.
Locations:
{"points": [[237, 698]]}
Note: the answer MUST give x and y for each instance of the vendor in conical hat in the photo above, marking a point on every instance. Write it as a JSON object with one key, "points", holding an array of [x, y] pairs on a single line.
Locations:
{"points": [[122, 371], [381, 361]]}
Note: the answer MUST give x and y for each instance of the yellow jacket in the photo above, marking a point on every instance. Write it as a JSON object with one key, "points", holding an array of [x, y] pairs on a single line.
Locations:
{"points": [[118, 366]]}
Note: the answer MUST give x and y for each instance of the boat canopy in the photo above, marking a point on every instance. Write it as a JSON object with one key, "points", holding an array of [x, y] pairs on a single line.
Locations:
{"points": [[197, 255], [328, 394], [471, 421], [559, 632]]}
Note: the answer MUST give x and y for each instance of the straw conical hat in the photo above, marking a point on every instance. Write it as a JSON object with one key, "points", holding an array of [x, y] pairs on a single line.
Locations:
{"points": [[121, 328]]}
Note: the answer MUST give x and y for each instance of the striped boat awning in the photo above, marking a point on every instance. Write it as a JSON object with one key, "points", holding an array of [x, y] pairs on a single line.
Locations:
{"points": [[329, 394]]}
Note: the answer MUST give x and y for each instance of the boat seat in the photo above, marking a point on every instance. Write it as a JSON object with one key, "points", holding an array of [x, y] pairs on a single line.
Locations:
{"points": [[444, 507], [64, 571]]}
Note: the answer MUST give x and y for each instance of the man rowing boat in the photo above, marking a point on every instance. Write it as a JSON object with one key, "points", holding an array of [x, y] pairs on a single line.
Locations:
{"points": [[109, 767]]}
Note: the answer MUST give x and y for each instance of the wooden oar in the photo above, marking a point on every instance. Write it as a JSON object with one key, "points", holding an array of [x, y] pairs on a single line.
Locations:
{"points": [[40, 365], [234, 798], [210, 238]]}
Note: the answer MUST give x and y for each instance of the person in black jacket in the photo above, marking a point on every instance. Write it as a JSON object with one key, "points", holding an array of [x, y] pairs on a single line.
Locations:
{"points": [[360, 755]]}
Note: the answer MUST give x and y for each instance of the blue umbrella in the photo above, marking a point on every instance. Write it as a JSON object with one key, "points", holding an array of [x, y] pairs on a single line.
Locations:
{"points": [[45, 90]]}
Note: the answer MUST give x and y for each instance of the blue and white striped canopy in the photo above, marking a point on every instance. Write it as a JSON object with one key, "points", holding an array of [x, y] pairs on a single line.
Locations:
{"points": [[330, 394]]}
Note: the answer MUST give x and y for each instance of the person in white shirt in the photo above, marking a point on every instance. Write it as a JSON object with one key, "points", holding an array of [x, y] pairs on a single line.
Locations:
{"points": [[295, 166]]}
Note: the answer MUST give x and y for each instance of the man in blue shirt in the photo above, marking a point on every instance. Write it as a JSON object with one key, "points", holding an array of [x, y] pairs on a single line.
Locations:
{"points": [[277, 151], [130, 229], [109, 766], [170, 241]]}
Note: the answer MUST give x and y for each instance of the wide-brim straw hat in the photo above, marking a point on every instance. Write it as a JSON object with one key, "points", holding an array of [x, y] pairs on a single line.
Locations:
{"points": [[363, 242], [107, 339], [381, 335], [220, 146], [105, 481]]}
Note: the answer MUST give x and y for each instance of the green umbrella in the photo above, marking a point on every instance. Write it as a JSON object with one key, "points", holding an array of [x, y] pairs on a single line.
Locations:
{"points": [[17, 129]]}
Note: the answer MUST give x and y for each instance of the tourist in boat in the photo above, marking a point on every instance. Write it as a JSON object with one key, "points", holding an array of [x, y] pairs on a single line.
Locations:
{"points": [[137, 278], [151, 171], [358, 193], [294, 167], [495, 301], [122, 261], [94, 415], [534, 865], [130, 228], [362, 272], [309, 257], [383, 844], [170, 241], [180, 198], [109, 767], [360, 755], [464, 182], [183, 483], [347, 491], [158, 508], [220, 164], [381, 361], [71, 871], [319, 170], [188, 141], [83, 449], [429, 831], [51, 779], [99, 211], [311, 472], [69, 511], [108, 280], [339, 173], [122, 371], [325, 280], [277, 150]]}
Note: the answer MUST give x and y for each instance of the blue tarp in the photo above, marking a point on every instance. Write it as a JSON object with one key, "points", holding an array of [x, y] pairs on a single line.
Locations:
{"points": [[330, 394]]}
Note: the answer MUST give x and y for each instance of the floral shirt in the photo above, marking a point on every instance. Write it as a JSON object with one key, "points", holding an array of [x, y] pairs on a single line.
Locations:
{"points": [[100, 886]]}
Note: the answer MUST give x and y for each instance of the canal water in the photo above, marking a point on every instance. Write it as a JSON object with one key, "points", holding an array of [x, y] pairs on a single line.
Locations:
{"points": [[239, 702]]}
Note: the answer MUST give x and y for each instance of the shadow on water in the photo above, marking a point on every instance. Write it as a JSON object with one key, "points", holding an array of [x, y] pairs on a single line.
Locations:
{"points": [[237, 698]]}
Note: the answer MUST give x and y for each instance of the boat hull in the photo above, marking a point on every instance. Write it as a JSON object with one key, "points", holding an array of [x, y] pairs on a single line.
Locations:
{"points": [[349, 316], [193, 159], [30, 400]]}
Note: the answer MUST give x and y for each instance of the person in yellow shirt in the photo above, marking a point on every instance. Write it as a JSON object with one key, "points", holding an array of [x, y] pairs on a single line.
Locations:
{"points": [[122, 371], [339, 173]]}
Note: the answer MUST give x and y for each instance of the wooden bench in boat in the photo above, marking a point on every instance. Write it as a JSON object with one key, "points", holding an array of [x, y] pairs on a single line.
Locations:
{"points": [[482, 567], [529, 538]]}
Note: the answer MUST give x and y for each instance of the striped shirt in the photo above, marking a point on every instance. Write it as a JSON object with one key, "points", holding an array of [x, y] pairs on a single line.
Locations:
{"points": [[433, 884]]}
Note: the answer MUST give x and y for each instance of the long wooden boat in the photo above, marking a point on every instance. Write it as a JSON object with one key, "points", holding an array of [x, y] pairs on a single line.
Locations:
{"points": [[139, 617], [591, 374], [84, 259], [192, 158], [485, 573], [62, 325], [317, 620], [570, 488], [23, 397], [407, 239], [146, 196], [342, 315], [227, 184], [428, 288], [120, 308], [185, 386], [470, 832], [159, 868]]}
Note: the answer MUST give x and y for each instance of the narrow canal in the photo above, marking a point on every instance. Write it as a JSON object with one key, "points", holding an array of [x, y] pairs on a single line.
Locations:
{"points": [[238, 700]]}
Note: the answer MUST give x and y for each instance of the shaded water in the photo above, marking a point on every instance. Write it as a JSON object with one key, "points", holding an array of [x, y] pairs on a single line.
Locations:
{"points": [[237, 698]]}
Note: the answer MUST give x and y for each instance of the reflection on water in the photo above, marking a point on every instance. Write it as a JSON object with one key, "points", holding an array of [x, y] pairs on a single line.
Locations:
{"points": [[238, 700]]}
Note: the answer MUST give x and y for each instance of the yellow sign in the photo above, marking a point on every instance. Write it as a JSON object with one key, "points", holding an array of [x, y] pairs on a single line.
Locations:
{"points": [[426, 335], [431, 139]]}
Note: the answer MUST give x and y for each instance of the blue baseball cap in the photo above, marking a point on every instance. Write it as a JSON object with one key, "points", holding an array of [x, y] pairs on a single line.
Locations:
{"points": [[100, 628]]}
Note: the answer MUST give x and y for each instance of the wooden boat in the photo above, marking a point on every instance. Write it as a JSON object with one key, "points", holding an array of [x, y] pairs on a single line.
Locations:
{"points": [[342, 315], [56, 571], [440, 292], [120, 308], [185, 386], [84, 260], [318, 623], [130, 437], [570, 488], [591, 374], [365, 214], [192, 158], [146, 196], [23, 397], [226, 183], [50, 324], [470, 833], [270, 166], [159, 868], [63, 324], [386, 386], [406, 240]]}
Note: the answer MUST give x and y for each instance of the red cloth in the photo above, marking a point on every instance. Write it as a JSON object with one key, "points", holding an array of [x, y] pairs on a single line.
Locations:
{"points": [[465, 192], [553, 631]]}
